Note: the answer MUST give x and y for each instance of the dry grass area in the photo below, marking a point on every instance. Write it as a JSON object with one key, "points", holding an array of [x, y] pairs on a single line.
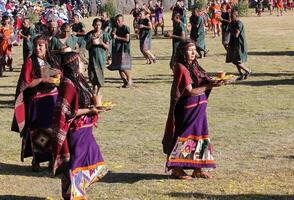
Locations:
{"points": [[251, 126]]}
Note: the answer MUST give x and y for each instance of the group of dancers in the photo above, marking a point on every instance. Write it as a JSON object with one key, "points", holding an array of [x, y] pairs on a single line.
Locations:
{"points": [[52, 82]]}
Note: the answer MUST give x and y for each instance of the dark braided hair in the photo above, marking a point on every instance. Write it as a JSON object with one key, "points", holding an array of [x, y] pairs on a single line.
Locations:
{"points": [[70, 62]]}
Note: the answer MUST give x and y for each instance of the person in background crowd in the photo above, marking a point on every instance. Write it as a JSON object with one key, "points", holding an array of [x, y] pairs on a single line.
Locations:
{"points": [[97, 45], [178, 35], [159, 20], [136, 18], [271, 6], [197, 33], [6, 33], [151, 7], [145, 37], [65, 42], [279, 4], [259, 7], [121, 51], [225, 20], [107, 27], [79, 30], [27, 33], [237, 49], [215, 18]]}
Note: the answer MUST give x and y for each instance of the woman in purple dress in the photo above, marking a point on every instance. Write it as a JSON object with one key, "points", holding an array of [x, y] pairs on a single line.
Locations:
{"points": [[76, 154], [35, 98], [186, 141]]}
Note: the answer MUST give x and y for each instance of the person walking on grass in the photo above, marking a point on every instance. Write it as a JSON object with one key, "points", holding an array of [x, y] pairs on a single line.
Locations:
{"points": [[27, 33], [6, 33], [225, 20], [159, 20], [215, 10], [237, 49], [186, 141], [121, 51], [97, 45], [197, 33], [178, 35], [145, 37], [280, 6]]}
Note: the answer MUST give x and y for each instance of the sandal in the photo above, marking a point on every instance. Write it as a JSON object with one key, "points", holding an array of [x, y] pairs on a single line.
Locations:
{"points": [[247, 74], [201, 174], [240, 78], [180, 174]]}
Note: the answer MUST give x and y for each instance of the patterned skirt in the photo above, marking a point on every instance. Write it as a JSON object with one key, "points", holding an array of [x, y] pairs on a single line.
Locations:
{"points": [[192, 147], [86, 165], [38, 138]]}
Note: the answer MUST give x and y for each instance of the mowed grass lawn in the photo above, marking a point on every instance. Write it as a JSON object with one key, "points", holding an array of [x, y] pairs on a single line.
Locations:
{"points": [[251, 126]]}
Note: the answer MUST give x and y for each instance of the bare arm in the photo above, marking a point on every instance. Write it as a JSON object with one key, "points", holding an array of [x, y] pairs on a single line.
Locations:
{"points": [[86, 111], [125, 39], [182, 37], [237, 33], [190, 91], [148, 27], [105, 45]]}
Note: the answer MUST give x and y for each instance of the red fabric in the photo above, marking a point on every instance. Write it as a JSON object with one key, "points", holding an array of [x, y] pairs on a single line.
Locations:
{"points": [[8, 6], [66, 110], [25, 78], [18, 23], [181, 80]]}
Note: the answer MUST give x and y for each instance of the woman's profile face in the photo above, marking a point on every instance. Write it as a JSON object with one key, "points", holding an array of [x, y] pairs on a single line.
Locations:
{"points": [[40, 50], [191, 53]]}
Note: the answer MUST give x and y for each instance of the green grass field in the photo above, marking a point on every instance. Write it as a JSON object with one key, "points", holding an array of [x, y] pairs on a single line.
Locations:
{"points": [[251, 126]]}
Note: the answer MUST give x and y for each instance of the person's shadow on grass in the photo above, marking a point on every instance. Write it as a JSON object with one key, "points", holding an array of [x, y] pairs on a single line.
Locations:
{"points": [[24, 170], [130, 178], [15, 197], [180, 195]]}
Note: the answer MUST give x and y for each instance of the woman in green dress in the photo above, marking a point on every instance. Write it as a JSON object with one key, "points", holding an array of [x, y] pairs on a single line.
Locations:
{"points": [[197, 33], [121, 52], [145, 36], [237, 49], [97, 45], [178, 35], [65, 42]]}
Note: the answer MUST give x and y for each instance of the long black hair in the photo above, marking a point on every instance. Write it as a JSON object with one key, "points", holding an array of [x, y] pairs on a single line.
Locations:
{"points": [[197, 73], [70, 61]]}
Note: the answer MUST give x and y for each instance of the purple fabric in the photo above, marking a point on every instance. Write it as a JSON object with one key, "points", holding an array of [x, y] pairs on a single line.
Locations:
{"points": [[84, 149], [192, 120], [39, 113], [194, 149]]}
